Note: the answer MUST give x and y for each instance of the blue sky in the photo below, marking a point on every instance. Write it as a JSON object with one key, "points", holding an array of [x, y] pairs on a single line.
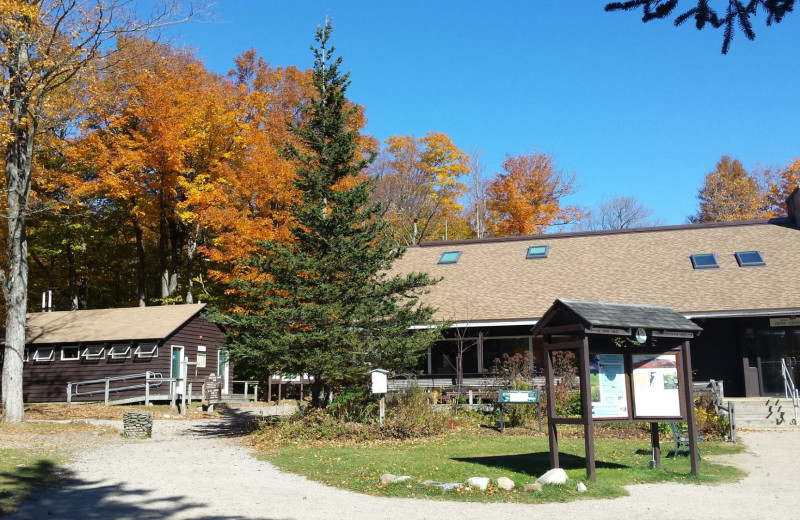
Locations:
{"points": [[635, 109]]}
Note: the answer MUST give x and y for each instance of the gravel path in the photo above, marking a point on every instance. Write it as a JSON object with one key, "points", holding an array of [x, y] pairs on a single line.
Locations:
{"points": [[192, 470]]}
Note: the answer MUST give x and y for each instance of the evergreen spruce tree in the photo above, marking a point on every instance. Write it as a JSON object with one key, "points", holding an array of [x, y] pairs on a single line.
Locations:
{"points": [[323, 303]]}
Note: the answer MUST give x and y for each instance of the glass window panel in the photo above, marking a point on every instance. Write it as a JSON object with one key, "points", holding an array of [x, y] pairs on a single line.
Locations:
{"points": [[749, 258], [444, 357], [704, 261], [449, 257], [537, 252]]}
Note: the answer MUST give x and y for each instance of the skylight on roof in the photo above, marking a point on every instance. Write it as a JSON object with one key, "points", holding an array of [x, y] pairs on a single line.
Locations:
{"points": [[537, 252], [705, 261], [449, 257], [749, 258]]}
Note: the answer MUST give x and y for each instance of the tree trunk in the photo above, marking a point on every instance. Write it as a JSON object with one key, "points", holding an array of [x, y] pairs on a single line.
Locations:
{"points": [[163, 252], [15, 285], [72, 279], [191, 249], [140, 267]]}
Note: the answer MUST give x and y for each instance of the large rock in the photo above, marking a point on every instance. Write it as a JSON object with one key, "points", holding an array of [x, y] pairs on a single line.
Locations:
{"points": [[479, 482], [505, 483], [536, 486], [555, 476], [581, 488], [388, 478]]}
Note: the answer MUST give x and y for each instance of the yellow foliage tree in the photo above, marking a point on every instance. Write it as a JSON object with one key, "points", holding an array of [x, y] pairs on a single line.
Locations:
{"points": [[527, 198], [418, 184], [730, 193]]}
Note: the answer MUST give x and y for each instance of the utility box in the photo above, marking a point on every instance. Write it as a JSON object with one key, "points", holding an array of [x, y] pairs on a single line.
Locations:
{"points": [[380, 381]]}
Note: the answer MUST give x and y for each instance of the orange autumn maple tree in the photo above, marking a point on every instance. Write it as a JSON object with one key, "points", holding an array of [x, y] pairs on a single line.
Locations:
{"points": [[527, 198]]}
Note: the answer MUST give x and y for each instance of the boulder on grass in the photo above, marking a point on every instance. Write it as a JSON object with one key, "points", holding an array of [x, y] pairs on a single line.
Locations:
{"points": [[536, 486], [581, 487], [555, 476], [479, 482], [388, 478], [505, 483]]}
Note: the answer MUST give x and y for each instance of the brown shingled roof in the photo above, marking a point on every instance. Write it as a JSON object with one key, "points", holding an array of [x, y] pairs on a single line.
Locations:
{"points": [[492, 280], [134, 323]]}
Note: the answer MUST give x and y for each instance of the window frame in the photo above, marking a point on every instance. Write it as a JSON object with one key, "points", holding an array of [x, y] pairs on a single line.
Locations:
{"points": [[742, 263], [152, 354], [115, 355], [51, 357], [698, 266], [442, 260], [94, 357], [536, 256], [76, 348]]}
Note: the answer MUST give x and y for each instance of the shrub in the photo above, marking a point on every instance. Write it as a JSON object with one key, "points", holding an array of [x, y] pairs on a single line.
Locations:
{"points": [[410, 414], [356, 404]]}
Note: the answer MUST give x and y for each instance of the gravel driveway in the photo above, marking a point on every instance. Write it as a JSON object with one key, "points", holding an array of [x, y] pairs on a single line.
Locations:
{"points": [[194, 470]]}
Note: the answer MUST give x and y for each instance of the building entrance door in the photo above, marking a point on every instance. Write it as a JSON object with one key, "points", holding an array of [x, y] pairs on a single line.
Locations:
{"points": [[774, 346]]}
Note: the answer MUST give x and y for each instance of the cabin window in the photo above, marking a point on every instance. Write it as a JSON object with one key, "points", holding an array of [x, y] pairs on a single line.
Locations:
{"points": [[704, 261], [120, 351], [537, 252], [44, 354], [26, 355], [450, 257], [94, 352], [72, 353], [201, 360], [749, 258], [146, 350]]}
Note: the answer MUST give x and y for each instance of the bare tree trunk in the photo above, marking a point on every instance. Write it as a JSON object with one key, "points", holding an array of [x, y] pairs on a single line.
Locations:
{"points": [[163, 252], [191, 250], [19, 152], [72, 280], [140, 267]]}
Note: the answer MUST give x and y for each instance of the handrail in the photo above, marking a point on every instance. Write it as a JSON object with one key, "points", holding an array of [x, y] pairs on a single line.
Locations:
{"points": [[146, 375], [789, 387]]}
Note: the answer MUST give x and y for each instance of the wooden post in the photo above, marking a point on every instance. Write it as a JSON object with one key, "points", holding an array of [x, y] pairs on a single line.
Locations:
{"points": [[689, 403], [190, 392], [246, 390], [552, 429], [586, 409], [69, 393], [255, 394], [147, 389], [383, 407], [108, 383], [280, 385], [183, 403], [172, 397], [655, 442], [502, 420], [269, 388]]}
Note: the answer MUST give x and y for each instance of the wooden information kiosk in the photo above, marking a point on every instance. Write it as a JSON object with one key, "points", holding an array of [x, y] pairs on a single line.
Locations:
{"points": [[634, 365]]}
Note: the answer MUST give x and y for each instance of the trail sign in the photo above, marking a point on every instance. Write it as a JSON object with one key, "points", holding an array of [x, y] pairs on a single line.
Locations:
{"points": [[519, 396]]}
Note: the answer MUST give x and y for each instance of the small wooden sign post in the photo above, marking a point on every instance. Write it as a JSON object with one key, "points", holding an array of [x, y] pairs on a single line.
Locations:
{"points": [[213, 386], [380, 385]]}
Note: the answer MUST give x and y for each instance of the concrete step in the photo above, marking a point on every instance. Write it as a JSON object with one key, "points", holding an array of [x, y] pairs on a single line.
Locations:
{"points": [[764, 413]]}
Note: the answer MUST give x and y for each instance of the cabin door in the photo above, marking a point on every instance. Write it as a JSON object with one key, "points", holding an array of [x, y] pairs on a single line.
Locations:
{"points": [[178, 370], [223, 367]]}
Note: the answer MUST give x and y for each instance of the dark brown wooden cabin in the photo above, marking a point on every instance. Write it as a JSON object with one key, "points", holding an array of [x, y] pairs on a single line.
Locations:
{"points": [[86, 347]]}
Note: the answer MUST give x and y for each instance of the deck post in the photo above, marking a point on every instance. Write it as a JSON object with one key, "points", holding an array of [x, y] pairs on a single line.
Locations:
{"points": [[255, 394], [246, 390], [147, 389], [190, 393], [183, 403], [172, 393], [108, 384], [269, 388], [69, 393]]}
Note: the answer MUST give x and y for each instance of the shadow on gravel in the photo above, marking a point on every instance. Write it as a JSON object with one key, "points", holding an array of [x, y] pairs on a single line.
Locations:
{"points": [[534, 464], [233, 422], [93, 500]]}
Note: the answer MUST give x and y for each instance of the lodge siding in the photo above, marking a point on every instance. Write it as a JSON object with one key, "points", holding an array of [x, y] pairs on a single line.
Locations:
{"points": [[46, 381]]}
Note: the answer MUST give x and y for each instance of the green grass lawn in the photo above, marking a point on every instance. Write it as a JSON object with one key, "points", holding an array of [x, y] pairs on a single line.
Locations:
{"points": [[36, 463], [21, 472], [455, 458]]}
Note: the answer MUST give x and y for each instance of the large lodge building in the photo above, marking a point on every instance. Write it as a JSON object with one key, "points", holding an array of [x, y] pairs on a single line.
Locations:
{"points": [[739, 281]]}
